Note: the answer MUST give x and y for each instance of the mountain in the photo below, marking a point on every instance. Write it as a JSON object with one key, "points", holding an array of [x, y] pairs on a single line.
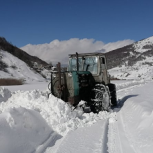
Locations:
{"points": [[133, 61], [19, 53], [13, 67], [15, 63]]}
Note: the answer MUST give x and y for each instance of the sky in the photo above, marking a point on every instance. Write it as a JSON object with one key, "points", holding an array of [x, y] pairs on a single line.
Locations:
{"points": [[43, 21]]}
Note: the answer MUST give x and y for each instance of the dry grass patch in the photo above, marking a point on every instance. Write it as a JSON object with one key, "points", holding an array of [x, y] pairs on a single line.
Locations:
{"points": [[10, 81]]}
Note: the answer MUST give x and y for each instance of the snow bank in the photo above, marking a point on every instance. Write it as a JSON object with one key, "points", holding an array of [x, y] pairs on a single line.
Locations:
{"points": [[83, 140], [135, 120], [23, 130], [28, 120], [58, 114]]}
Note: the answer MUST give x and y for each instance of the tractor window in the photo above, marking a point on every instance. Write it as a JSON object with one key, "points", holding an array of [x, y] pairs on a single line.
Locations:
{"points": [[103, 62], [73, 64], [91, 64], [88, 63]]}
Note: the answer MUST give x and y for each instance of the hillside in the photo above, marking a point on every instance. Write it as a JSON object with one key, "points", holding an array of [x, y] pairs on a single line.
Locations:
{"points": [[15, 63], [19, 53], [132, 61], [13, 67]]}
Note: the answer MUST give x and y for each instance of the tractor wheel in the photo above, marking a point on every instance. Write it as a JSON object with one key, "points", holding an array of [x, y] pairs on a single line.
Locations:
{"points": [[112, 89], [100, 98]]}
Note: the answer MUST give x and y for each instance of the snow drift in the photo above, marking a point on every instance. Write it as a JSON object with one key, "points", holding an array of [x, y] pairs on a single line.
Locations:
{"points": [[24, 130], [31, 122]]}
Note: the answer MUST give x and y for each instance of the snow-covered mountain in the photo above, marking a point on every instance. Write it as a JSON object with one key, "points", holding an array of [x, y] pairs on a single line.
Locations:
{"points": [[133, 61], [13, 67], [15, 63], [30, 121]]}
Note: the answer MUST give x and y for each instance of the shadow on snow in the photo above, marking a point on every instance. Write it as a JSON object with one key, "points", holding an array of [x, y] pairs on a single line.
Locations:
{"points": [[121, 102]]}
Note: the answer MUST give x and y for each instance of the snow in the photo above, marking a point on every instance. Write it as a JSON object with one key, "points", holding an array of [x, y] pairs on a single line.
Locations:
{"points": [[135, 119], [18, 69], [142, 67], [35, 85], [32, 122], [23, 130], [140, 44], [140, 70], [59, 115], [89, 143]]}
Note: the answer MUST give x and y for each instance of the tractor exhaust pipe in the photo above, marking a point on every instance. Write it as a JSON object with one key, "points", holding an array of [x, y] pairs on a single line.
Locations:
{"points": [[59, 72], [59, 76], [77, 61]]}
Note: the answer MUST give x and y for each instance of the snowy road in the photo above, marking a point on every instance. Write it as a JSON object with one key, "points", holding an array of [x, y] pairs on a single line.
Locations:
{"points": [[89, 142], [120, 132], [127, 128]]}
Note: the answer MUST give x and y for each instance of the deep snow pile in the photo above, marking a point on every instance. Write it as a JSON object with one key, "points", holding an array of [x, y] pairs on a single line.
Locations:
{"points": [[58, 114], [23, 130]]}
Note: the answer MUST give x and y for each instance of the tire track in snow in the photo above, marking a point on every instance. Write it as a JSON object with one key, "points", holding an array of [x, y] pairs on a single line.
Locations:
{"points": [[102, 146], [124, 115], [114, 142], [49, 142], [123, 86], [91, 139], [113, 136], [126, 137]]}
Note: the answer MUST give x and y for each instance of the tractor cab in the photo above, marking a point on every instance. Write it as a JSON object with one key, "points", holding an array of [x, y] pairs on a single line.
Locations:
{"points": [[89, 63], [95, 63]]}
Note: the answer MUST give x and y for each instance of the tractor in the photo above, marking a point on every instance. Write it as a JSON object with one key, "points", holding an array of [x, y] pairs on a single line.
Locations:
{"points": [[85, 79]]}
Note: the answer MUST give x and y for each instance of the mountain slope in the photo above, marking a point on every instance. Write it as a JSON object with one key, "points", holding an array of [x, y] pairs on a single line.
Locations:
{"points": [[16, 68], [15, 63], [132, 61], [28, 59]]}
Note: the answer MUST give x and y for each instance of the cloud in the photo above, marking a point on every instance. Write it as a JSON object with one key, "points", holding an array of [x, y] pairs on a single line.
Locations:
{"points": [[56, 50]]}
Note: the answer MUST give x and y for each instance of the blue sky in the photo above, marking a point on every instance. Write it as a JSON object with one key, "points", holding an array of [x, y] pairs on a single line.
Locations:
{"points": [[25, 22]]}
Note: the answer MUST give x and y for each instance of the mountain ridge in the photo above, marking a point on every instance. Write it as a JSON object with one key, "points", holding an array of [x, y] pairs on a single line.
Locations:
{"points": [[137, 56], [19, 53], [16, 63], [134, 61]]}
